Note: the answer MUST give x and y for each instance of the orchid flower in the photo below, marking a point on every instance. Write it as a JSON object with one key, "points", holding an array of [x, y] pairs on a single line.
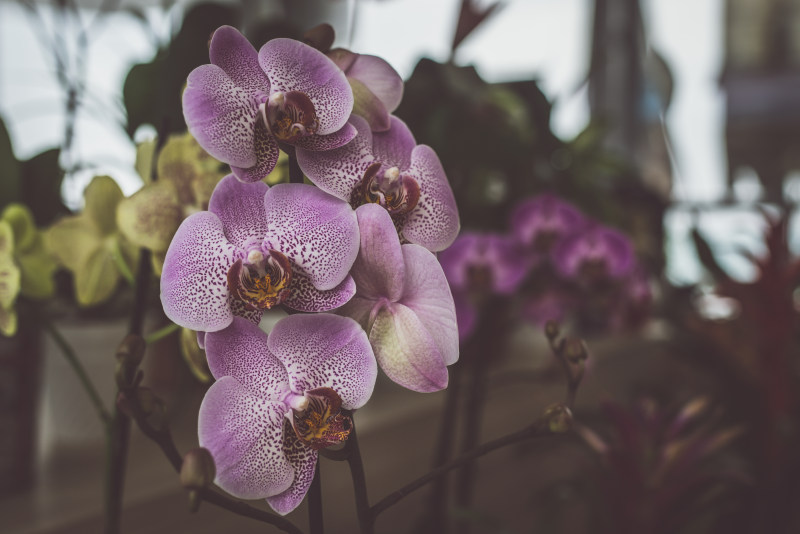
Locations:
{"points": [[278, 399], [377, 88], [391, 170], [539, 223], [245, 103], [255, 248], [477, 265], [594, 254], [404, 304]]}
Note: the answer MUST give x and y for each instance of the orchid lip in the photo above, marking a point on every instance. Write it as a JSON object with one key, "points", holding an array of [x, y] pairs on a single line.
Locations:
{"points": [[261, 281], [393, 190], [290, 115], [322, 423]]}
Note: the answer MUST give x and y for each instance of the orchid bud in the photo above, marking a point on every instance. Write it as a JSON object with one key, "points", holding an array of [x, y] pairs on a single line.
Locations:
{"points": [[558, 418], [197, 473], [576, 351], [130, 354], [552, 330], [320, 37]]}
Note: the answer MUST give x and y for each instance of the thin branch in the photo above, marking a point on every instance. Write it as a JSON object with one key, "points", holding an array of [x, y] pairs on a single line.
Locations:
{"points": [[77, 367], [315, 518], [161, 333], [365, 519], [295, 173]]}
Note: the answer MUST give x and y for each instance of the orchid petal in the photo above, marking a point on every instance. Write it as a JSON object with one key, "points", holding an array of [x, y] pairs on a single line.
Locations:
{"points": [[304, 461], [434, 222], [315, 230], [267, 152], [360, 310], [338, 171], [366, 104], [240, 208], [244, 434], [150, 217], [220, 115], [378, 270], [233, 53], [321, 143], [325, 350], [394, 147], [381, 79], [294, 66], [194, 282], [240, 351], [102, 197], [305, 297], [406, 351], [428, 295]]}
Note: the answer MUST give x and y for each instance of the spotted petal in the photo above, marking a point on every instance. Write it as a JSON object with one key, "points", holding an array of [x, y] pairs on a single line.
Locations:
{"points": [[233, 53], [294, 66], [324, 350], [321, 143], [240, 208], [303, 460], [315, 230], [221, 115], [244, 433], [194, 282], [434, 222], [307, 298], [240, 351], [267, 153], [394, 146]]}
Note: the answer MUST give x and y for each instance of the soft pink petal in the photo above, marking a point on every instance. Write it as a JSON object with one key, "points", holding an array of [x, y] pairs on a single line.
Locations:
{"points": [[360, 310], [244, 434], [294, 66], [220, 115], [304, 462], [394, 146], [338, 171], [315, 230], [406, 351], [194, 280], [266, 150], [434, 222], [240, 207], [427, 294], [306, 298], [234, 54], [378, 270], [241, 351], [379, 77], [325, 350]]}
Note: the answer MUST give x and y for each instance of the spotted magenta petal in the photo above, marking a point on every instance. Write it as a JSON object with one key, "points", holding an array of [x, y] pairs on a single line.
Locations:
{"points": [[485, 262], [539, 222], [405, 306], [244, 418], [432, 221], [316, 232], [597, 251]]}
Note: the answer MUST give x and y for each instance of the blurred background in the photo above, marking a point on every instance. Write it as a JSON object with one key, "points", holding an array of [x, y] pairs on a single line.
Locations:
{"points": [[675, 122]]}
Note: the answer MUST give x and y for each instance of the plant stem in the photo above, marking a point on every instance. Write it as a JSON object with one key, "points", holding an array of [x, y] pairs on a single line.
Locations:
{"points": [[365, 518], [80, 371], [161, 333], [295, 174], [316, 522]]}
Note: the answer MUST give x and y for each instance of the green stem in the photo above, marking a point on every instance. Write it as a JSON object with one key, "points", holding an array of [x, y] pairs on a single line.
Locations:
{"points": [[161, 333], [77, 367], [122, 265]]}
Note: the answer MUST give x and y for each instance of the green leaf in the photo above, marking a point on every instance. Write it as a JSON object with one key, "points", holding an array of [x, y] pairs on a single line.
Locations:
{"points": [[97, 278], [102, 197]]}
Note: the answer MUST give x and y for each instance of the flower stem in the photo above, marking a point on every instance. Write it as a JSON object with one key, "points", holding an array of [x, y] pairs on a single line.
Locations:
{"points": [[366, 520], [161, 333], [315, 517], [80, 372], [295, 174]]}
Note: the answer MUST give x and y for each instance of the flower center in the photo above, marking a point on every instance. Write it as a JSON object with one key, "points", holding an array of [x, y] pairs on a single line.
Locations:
{"points": [[290, 116], [398, 193], [260, 281], [321, 423]]}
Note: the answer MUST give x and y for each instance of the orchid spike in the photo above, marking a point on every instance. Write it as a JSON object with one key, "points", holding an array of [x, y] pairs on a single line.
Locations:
{"points": [[245, 103], [390, 169], [277, 400], [404, 303], [258, 247]]}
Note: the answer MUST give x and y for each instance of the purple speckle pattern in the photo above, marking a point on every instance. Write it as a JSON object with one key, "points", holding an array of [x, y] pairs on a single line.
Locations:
{"points": [[220, 115], [307, 298], [394, 146], [240, 207], [194, 282], [339, 171], [324, 350], [241, 351], [294, 66], [243, 310], [434, 223], [266, 151], [234, 54], [319, 143], [244, 434], [315, 230], [304, 461]]}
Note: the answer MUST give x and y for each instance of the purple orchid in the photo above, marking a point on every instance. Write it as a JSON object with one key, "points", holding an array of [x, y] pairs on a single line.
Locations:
{"points": [[245, 104], [539, 223], [377, 88], [595, 254], [390, 169], [258, 247], [477, 265], [278, 399], [404, 304]]}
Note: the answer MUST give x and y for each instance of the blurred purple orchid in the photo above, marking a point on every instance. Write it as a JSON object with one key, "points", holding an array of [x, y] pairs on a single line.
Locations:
{"points": [[539, 223], [258, 247], [595, 254], [404, 304], [278, 399], [377, 88], [390, 169], [244, 104], [478, 265]]}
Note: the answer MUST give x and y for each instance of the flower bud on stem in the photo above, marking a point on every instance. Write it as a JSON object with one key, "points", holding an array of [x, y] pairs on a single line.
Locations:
{"points": [[197, 473]]}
